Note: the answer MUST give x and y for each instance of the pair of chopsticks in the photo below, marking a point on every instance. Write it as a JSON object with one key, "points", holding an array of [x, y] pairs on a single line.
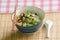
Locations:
{"points": [[14, 19]]}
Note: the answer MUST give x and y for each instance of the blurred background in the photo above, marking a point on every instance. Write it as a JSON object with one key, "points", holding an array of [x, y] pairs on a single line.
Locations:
{"points": [[7, 6]]}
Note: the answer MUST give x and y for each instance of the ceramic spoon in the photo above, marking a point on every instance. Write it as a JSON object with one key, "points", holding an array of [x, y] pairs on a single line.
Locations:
{"points": [[48, 25]]}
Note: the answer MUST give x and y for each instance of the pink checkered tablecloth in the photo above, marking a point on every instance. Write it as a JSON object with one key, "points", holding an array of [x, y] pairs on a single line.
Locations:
{"points": [[7, 6]]}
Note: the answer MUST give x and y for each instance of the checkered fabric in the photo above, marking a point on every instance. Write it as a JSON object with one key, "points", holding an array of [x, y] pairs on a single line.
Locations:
{"points": [[7, 6]]}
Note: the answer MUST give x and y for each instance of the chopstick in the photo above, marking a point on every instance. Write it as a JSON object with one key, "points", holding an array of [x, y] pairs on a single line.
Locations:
{"points": [[14, 19]]}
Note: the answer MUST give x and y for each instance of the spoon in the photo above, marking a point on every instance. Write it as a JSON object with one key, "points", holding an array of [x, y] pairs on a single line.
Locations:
{"points": [[48, 25]]}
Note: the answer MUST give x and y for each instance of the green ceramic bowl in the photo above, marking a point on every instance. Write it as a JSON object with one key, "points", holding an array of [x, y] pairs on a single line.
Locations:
{"points": [[34, 28]]}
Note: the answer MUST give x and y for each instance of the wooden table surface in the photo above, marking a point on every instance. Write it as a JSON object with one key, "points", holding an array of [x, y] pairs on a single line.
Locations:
{"points": [[6, 32]]}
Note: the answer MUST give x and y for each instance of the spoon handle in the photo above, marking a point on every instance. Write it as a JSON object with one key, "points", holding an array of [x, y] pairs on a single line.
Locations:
{"points": [[47, 33]]}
